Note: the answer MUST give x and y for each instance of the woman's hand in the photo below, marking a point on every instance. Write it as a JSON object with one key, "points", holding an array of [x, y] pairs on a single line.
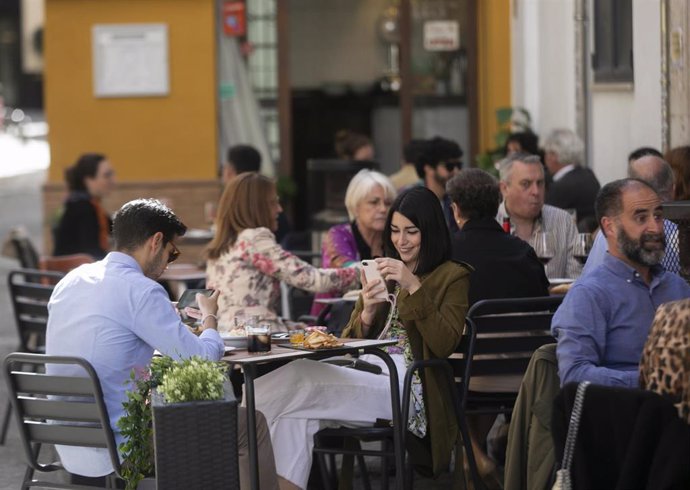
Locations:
{"points": [[396, 270], [373, 294]]}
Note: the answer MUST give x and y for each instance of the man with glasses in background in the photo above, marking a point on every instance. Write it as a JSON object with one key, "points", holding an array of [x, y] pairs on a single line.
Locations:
{"points": [[440, 160], [114, 314]]}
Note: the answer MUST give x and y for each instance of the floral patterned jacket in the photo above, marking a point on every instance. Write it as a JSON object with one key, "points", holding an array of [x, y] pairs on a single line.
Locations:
{"points": [[248, 276]]}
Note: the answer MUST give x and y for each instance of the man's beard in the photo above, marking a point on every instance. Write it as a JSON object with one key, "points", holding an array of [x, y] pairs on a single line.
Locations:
{"points": [[636, 251], [156, 266], [440, 180]]}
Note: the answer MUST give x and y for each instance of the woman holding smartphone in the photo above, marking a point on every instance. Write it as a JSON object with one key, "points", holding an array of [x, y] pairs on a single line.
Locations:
{"points": [[427, 320]]}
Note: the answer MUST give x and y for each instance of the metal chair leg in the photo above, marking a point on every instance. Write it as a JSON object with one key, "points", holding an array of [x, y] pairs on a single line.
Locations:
{"points": [[469, 453], [326, 479], [365, 473], [5, 422]]}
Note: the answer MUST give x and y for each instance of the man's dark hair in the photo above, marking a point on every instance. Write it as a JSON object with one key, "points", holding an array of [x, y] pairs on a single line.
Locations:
{"points": [[438, 150], [413, 152], [139, 220], [85, 166], [609, 201], [475, 192], [528, 141], [422, 208], [244, 158], [644, 151]]}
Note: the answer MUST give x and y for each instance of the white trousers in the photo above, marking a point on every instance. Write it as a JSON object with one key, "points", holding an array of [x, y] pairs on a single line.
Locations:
{"points": [[305, 396]]}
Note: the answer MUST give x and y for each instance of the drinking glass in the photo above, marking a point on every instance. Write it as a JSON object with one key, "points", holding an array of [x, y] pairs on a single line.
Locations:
{"points": [[582, 247], [544, 246], [259, 337]]}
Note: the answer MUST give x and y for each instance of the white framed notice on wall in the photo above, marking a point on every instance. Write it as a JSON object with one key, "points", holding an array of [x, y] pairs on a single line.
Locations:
{"points": [[130, 60], [441, 35]]}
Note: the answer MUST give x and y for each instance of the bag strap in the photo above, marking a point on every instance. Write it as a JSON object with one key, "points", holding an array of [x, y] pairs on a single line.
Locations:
{"points": [[563, 479]]}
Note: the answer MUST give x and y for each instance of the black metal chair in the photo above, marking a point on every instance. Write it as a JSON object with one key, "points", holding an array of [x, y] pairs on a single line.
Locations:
{"points": [[507, 332], [30, 291], [455, 370], [25, 251], [29, 297], [55, 409]]}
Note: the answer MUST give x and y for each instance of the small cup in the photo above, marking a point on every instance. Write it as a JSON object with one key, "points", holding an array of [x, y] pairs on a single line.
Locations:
{"points": [[297, 337], [259, 338]]}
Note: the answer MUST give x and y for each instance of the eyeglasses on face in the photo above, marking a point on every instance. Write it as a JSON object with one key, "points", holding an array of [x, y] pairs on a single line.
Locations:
{"points": [[173, 254], [452, 165]]}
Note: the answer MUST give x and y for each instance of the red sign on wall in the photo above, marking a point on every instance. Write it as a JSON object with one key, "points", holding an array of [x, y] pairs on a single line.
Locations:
{"points": [[234, 19]]}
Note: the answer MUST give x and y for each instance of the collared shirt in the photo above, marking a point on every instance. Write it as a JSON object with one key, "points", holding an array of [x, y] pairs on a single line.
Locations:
{"points": [[604, 320], [113, 316], [448, 215], [560, 223], [561, 173], [670, 262]]}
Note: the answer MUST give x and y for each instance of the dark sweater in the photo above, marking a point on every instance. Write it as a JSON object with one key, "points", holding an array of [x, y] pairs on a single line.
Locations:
{"points": [[78, 229], [504, 265]]}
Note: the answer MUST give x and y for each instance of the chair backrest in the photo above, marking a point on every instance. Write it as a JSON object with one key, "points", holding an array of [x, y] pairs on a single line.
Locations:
{"points": [[508, 331], [26, 252], [55, 409], [64, 263], [30, 291]]}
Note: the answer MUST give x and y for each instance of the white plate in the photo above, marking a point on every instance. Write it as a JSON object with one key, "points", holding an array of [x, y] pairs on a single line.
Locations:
{"points": [[560, 280], [234, 341], [229, 348]]}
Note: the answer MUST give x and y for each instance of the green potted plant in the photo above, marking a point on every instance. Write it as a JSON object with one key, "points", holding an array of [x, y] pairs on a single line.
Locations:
{"points": [[509, 119], [181, 424]]}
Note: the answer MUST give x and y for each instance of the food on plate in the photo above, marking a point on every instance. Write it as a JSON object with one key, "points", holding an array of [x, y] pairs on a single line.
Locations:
{"points": [[560, 289], [237, 332], [321, 340]]}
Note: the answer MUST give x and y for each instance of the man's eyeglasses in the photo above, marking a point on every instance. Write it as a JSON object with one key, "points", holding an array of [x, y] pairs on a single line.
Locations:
{"points": [[173, 254]]}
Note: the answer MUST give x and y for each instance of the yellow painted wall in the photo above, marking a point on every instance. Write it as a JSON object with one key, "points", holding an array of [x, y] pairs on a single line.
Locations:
{"points": [[146, 138], [493, 60]]}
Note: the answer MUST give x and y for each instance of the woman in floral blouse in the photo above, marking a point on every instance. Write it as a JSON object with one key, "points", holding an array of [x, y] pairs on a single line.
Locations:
{"points": [[427, 320], [368, 197], [246, 264]]}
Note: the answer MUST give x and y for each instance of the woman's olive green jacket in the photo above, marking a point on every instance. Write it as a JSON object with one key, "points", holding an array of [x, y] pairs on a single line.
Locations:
{"points": [[434, 317]]}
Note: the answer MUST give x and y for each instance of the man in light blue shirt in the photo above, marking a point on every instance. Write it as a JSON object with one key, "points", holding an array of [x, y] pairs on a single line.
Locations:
{"points": [[651, 168], [605, 318], [114, 314]]}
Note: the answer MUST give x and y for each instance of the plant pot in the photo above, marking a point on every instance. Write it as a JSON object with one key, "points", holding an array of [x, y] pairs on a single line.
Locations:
{"points": [[196, 443]]}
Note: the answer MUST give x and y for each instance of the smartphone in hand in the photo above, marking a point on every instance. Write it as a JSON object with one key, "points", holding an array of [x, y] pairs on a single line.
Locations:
{"points": [[371, 272], [188, 298]]}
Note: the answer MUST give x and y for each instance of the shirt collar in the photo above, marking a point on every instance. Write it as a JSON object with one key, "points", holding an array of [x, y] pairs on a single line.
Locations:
{"points": [[122, 258], [561, 173], [482, 224], [503, 213], [627, 272]]}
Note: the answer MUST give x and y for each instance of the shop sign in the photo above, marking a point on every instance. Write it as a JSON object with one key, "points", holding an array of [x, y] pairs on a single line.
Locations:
{"points": [[441, 35]]}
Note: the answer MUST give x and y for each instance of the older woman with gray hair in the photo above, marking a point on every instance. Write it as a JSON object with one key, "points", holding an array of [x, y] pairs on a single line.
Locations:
{"points": [[573, 186], [367, 199]]}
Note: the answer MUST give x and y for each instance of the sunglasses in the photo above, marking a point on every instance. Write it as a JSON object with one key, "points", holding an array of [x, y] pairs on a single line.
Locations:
{"points": [[174, 253], [452, 165]]}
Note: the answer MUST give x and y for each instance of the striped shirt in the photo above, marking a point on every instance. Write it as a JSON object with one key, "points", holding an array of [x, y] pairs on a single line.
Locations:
{"points": [[562, 226]]}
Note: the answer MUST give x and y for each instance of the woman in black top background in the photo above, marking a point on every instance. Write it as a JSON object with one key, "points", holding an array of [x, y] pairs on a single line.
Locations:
{"points": [[84, 226]]}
